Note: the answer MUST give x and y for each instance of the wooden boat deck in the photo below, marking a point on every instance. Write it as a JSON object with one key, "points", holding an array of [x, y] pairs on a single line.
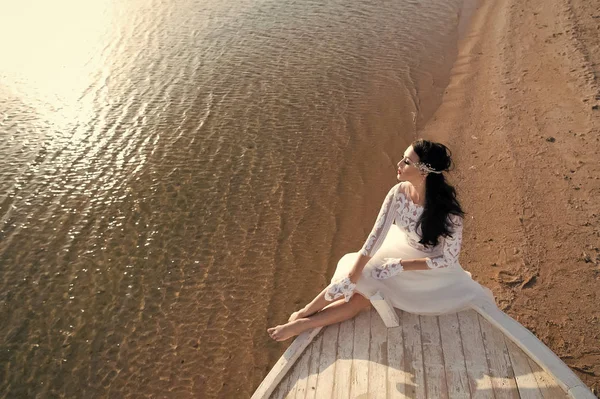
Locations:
{"points": [[459, 355]]}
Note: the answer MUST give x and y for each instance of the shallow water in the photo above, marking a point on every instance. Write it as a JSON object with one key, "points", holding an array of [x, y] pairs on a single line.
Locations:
{"points": [[176, 176]]}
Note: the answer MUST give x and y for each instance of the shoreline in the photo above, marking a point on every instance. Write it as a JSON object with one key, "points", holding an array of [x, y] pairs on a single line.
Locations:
{"points": [[520, 116], [376, 137]]}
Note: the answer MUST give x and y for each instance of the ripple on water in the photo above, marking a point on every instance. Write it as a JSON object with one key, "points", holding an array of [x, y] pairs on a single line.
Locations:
{"points": [[175, 177]]}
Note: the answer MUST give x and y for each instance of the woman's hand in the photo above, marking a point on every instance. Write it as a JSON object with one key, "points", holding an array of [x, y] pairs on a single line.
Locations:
{"points": [[341, 288], [389, 268]]}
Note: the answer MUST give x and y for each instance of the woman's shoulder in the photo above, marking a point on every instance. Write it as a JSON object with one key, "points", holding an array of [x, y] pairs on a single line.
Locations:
{"points": [[401, 188], [403, 193], [399, 191]]}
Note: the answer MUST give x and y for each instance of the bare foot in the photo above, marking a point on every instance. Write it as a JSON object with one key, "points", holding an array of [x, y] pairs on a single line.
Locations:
{"points": [[297, 315], [286, 331]]}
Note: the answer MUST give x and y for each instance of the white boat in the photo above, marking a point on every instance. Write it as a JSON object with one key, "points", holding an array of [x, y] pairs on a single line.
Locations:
{"points": [[387, 353]]}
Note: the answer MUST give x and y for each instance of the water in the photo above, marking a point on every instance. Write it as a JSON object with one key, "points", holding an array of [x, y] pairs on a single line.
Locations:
{"points": [[177, 175]]}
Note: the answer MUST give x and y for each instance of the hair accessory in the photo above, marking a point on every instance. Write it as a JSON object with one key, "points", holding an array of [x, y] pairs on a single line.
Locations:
{"points": [[425, 167]]}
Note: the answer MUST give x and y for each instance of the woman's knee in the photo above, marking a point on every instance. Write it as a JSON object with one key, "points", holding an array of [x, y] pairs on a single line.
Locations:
{"points": [[360, 303]]}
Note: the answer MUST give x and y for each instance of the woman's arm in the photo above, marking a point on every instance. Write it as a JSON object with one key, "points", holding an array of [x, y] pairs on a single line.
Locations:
{"points": [[415, 264], [346, 285], [377, 235], [384, 221], [356, 271], [448, 258], [406, 264]]}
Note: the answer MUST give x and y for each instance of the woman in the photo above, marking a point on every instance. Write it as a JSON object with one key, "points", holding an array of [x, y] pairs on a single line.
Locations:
{"points": [[411, 255]]}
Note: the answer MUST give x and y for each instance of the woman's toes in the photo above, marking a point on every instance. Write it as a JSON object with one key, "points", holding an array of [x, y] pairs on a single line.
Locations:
{"points": [[286, 331]]}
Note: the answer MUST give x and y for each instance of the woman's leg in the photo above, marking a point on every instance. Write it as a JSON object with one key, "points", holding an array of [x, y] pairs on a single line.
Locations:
{"points": [[312, 307], [320, 302], [334, 313]]}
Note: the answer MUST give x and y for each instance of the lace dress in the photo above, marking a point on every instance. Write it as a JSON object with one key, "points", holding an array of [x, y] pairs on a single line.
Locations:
{"points": [[444, 288]]}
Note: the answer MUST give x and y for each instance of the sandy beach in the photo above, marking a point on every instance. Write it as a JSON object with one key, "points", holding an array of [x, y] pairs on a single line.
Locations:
{"points": [[521, 115]]}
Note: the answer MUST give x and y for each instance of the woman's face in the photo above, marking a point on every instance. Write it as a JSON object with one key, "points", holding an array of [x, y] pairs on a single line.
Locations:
{"points": [[407, 171]]}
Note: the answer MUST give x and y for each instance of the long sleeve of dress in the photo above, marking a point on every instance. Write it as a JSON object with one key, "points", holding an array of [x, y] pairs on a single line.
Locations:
{"points": [[382, 224], [449, 257], [451, 247]]}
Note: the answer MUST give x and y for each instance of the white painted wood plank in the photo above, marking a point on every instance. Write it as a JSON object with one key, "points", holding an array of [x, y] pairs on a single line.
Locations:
{"points": [[581, 392], [291, 393], [396, 379], [327, 361], [433, 358], [284, 364], [299, 375], [385, 309], [378, 358], [283, 388], [313, 367], [531, 345], [454, 358], [478, 373], [411, 331], [278, 391], [503, 378], [359, 381], [343, 367], [548, 387], [286, 386], [526, 382]]}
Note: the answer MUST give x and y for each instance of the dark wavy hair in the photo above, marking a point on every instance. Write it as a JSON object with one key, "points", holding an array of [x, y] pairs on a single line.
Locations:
{"points": [[440, 197]]}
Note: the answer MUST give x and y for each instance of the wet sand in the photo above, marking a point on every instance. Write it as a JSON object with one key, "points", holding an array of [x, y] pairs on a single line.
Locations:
{"points": [[521, 116]]}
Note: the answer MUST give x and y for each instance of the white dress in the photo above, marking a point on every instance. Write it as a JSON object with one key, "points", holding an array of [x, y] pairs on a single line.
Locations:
{"points": [[444, 288]]}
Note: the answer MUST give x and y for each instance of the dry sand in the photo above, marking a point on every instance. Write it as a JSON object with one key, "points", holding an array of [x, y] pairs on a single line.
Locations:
{"points": [[521, 116]]}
